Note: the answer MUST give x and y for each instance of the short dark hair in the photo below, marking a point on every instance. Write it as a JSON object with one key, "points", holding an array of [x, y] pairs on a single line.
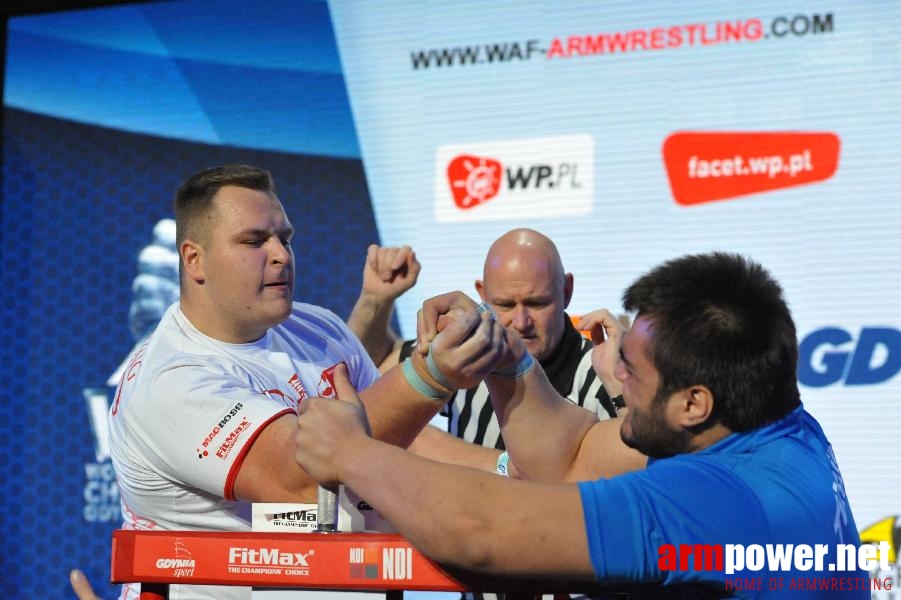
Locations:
{"points": [[720, 320], [194, 197]]}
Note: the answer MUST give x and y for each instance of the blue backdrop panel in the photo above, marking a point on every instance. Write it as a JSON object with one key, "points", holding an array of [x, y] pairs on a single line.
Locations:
{"points": [[79, 204]]}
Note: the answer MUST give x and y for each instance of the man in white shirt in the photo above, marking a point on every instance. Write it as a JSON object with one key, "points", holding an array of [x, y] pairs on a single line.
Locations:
{"points": [[203, 420]]}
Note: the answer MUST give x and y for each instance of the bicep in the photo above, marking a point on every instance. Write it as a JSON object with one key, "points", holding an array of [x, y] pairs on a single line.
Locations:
{"points": [[269, 472], [603, 454]]}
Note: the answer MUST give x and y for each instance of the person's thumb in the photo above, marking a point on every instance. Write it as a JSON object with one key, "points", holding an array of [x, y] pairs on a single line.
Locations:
{"points": [[455, 327], [345, 392], [344, 389]]}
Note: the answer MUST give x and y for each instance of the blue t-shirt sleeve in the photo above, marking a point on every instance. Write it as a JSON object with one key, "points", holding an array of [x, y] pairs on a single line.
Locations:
{"points": [[676, 501]]}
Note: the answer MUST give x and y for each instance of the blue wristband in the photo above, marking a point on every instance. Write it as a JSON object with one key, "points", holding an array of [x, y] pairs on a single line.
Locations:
{"points": [[502, 461], [434, 372], [522, 367], [419, 384], [485, 307]]}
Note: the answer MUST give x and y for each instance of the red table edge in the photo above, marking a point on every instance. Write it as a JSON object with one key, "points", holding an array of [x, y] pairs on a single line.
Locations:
{"points": [[129, 566]]}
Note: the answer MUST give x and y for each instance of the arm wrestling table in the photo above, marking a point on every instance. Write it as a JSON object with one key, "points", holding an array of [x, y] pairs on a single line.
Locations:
{"points": [[336, 561], [314, 561]]}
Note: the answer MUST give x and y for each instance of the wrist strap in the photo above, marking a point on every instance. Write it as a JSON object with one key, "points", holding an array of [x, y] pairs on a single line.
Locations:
{"points": [[502, 468], [522, 367], [618, 402], [434, 372], [419, 384], [485, 307]]}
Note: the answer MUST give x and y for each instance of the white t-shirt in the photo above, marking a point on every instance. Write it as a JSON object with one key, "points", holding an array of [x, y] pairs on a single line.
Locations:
{"points": [[188, 408]]}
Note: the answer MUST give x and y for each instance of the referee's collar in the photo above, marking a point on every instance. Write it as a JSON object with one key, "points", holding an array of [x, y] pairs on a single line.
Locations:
{"points": [[561, 364]]}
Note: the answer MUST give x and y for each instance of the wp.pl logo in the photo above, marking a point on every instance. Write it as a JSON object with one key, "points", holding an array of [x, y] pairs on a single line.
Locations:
{"points": [[538, 177], [474, 180]]}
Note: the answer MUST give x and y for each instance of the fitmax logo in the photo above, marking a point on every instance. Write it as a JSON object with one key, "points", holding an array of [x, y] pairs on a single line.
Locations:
{"points": [[307, 516], [267, 556], [831, 355]]}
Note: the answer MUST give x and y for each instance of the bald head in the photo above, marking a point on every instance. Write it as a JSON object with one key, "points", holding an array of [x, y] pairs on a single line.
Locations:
{"points": [[525, 282], [524, 249]]}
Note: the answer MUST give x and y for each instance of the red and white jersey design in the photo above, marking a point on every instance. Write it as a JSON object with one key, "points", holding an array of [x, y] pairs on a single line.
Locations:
{"points": [[188, 408]]}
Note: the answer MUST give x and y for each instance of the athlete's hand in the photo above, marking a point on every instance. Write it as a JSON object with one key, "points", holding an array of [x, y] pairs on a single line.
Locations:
{"points": [[437, 313], [328, 429], [469, 346]]}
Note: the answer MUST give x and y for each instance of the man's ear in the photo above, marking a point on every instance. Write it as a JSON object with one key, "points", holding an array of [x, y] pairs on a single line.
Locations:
{"points": [[567, 289], [695, 405], [192, 260], [480, 289]]}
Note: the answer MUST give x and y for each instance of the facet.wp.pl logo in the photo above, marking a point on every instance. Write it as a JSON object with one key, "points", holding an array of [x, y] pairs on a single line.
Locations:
{"points": [[833, 355]]}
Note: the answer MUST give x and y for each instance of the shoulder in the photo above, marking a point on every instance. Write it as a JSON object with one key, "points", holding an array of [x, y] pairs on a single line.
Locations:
{"points": [[307, 318], [173, 345], [703, 482], [185, 371], [159, 377], [310, 325], [312, 313], [674, 501], [675, 489]]}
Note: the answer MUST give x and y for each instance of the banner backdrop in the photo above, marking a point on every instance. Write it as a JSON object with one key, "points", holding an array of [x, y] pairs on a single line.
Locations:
{"points": [[629, 135]]}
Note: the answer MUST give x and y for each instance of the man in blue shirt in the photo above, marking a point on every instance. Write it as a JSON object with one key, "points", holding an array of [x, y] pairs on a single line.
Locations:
{"points": [[742, 496]]}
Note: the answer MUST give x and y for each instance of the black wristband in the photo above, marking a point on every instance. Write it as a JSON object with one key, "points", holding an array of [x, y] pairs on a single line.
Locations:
{"points": [[618, 402]]}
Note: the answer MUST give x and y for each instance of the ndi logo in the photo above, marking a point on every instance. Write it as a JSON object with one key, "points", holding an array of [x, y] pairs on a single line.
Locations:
{"points": [[397, 563], [512, 179]]}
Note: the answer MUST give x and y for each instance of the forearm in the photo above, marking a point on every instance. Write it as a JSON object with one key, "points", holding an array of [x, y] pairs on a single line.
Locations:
{"points": [[551, 439], [441, 446], [484, 523], [396, 411], [542, 430], [456, 515], [370, 320]]}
